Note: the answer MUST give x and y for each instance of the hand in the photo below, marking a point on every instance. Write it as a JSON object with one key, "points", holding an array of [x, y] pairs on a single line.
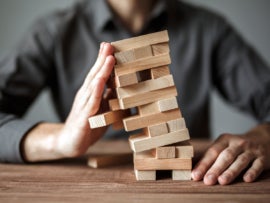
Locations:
{"points": [[232, 154], [71, 139]]}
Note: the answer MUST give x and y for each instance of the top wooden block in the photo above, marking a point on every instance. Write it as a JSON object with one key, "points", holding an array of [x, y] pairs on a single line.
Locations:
{"points": [[140, 41]]}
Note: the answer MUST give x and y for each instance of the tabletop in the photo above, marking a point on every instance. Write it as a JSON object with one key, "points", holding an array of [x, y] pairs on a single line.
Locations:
{"points": [[71, 180]]}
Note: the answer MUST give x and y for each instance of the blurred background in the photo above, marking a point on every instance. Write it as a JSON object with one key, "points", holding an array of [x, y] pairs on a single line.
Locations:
{"points": [[250, 17]]}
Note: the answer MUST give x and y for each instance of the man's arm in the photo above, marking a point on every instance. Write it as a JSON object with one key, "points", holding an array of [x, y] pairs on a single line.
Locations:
{"points": [[53, 141]]}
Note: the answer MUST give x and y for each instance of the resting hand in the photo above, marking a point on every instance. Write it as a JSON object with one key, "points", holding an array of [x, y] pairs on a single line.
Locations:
{"points": [[232, 154], [49, 141]]}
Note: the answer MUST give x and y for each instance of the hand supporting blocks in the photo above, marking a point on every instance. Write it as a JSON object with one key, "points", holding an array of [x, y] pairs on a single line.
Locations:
{"points": [[142, 80]]}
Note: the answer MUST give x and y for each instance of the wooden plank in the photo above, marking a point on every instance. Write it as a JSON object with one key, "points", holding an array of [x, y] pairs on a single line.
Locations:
{"points": [[146, 161], [124, 56], [141, 142], [181, 174], [167, 104], [167, 152], [140, 41], [184, 151], [145, 175], [143, 52], [105, 119], [156, 130], [114, 104], [147, 109], [177, 124], [145, 86], [161, 48], [137, 122], [147, 97], [125, 80], [142, 64], [159, 72], [106, 160]]}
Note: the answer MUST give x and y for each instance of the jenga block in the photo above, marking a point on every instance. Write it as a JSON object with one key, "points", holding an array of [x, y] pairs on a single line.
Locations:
{"points": [[114, 104], [146, 161], [184, 151], [143, 52], [137, 122], [144, 40], [177, 124], [159, 72], [156, 130], [118, 125], [145, 175], [141, 142], [146, 86], [105, 119], [161, 48], [125, 80], [105, 160], [142, 64], [124, 56], [147, 97], [150, 108], [167, 152], [167, 104], [181, 174]]}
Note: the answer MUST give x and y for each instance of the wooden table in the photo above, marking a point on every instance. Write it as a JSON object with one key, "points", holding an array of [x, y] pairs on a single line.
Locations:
{"points": [[72, 180]]}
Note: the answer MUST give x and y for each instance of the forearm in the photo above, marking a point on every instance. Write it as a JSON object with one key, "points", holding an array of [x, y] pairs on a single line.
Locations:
{"points": [[40, 143]]}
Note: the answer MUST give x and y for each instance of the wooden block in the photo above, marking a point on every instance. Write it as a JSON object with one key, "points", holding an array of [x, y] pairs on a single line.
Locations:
{"points": [[164, 152], [124, 56], [146, 86], [177, 124], [159, 72], [147, 109], [167, 104], [105, 119], [137, 122], [181, 174], [125, 80], [105, 160], [114, 104], [143, 52], [143, 40], [161, 48], [184, 151], [145, 175], [142, 64], [147, 97], [118, 125], [156, 130], [141, 142], [146, 161]]}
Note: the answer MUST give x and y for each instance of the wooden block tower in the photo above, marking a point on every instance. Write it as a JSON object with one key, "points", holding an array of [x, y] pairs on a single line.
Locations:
{"points": [[143, 83]]}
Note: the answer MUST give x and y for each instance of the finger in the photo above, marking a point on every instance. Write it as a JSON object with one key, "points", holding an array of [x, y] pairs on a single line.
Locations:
{"points": [[106, 50], [98, 85], [241, 162], [255, 170], [208, 159], [225, 158]]}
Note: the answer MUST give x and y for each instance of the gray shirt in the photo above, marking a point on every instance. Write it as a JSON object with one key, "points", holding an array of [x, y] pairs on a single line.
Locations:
{"points": [[59, 50]]}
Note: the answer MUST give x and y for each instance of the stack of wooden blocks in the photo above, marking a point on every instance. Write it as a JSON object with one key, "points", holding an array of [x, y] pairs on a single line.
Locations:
{"points": [[143, 84]]}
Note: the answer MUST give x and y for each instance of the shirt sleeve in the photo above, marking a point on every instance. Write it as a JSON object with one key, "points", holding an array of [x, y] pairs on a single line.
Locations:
{"points": [[23, 74], [240, 74]]}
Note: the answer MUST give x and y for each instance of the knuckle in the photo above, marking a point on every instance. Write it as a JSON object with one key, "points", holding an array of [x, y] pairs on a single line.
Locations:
{"points": [[213, 151], [224, 136], [228, 155], [244, 159]]}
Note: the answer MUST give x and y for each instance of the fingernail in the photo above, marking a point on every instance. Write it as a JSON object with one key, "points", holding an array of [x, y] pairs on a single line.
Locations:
{"points": [[197, 175], [249, 177], [225, 177], [210, 179]]}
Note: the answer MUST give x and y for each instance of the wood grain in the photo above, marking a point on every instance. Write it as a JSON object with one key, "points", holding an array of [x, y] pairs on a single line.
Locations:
{"points": [[71, 180]]}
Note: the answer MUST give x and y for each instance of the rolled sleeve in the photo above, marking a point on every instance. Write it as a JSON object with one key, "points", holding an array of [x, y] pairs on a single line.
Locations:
{"points": [[12, 132]]}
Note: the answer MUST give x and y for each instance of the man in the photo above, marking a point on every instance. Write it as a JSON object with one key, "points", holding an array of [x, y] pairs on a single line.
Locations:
{"points": [[205, 52]]}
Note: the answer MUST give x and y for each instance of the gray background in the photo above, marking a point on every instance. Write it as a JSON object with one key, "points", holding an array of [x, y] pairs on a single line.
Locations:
{"points": [[250, 17]]}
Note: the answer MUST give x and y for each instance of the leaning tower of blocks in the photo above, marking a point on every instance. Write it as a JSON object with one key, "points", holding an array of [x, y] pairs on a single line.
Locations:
{"points": [[145, 102]]}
